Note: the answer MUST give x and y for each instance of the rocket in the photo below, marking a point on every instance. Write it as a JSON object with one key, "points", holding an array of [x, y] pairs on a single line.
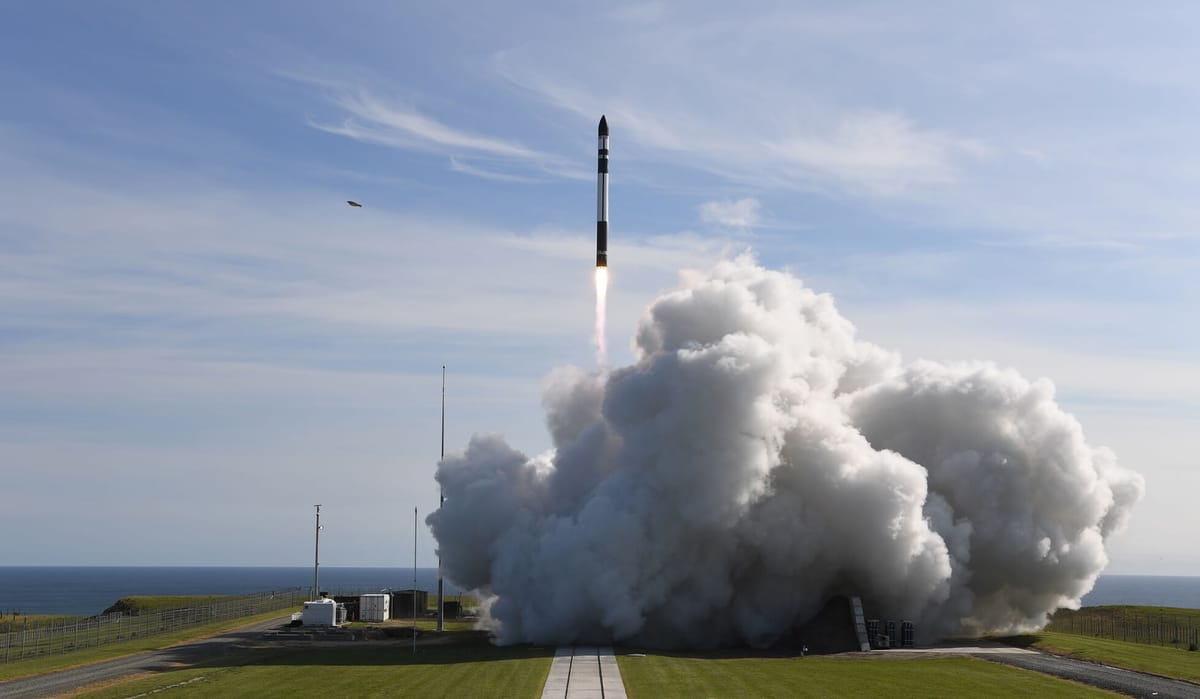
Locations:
{"points": [[602, 196]]}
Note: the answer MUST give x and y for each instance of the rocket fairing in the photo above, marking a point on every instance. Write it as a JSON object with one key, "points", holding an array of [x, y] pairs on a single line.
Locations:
{"points": [[602, 196]]}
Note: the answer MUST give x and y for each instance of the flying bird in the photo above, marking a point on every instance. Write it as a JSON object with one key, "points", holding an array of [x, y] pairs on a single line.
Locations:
{"points": [[354, 203]]}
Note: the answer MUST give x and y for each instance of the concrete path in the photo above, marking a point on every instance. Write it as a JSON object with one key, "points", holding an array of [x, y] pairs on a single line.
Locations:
{"points": [[584, 672]]}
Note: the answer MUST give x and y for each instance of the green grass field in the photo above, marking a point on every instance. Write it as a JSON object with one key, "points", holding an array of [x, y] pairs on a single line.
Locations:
{"points": [[466, 664], [38, 637], [1159, 660], [471, 667], [466, 601], [477, 669], [16, 622], [1152, 625], [37, 666], [143, 604], [666, 676]]}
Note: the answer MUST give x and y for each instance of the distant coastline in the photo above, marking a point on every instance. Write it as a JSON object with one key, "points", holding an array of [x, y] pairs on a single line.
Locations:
{"points": [[1148, 590], [87, 590]]}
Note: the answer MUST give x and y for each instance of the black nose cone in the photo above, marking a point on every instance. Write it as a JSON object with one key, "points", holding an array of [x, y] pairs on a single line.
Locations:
{"points": [[603, 126]]}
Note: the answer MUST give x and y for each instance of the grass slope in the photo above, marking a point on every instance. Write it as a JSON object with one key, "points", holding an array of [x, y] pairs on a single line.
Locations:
{"points": [[37, 666], [1128, 611], [16, 622], [666, 676], [465, 669], [1160, 660], [144, 604]]}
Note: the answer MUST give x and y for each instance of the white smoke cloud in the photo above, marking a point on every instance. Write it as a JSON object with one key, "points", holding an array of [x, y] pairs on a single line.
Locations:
{"points": [[757, 459]]}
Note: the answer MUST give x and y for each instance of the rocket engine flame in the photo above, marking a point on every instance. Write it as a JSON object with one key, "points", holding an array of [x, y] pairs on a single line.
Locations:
{"points": [[601, 312]]}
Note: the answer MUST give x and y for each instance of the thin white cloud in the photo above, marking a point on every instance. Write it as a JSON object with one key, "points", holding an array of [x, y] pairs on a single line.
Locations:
{"points": [[883, 152], [949, 330], [467, 169], [369, 119], [741, 214], [870, 152], [373, 121]]}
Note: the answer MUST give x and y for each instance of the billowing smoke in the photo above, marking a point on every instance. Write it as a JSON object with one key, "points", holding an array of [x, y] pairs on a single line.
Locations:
{"points": [[757, 460]]}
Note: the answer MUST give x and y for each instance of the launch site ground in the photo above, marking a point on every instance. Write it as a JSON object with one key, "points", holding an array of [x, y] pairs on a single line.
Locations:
{"points": [[461, 662]]}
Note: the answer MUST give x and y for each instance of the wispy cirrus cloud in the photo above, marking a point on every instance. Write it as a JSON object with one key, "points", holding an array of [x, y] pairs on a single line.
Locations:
{"points": [[459, 165], [875, 152], [369, 119], [373, 121], [882, 152]]}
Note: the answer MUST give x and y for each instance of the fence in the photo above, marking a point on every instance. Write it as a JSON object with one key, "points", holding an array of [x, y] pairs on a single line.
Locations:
{"points": [[35, 638], [1133, 625]]}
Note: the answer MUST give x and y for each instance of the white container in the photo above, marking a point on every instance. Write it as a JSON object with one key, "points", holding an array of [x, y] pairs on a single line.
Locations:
{"points": [[375, 607], [322, 612]]}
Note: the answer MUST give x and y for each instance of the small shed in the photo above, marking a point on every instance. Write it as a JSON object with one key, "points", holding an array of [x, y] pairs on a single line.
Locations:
{"points": [[374, 607], [322, 612], [403, 602]]}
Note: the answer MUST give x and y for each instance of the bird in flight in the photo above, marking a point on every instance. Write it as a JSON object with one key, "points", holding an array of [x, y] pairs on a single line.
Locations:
{"points": [[354, 203]]}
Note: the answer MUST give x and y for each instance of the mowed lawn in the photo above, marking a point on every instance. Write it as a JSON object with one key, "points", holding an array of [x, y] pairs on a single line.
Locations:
{"points": [[475, 669], [666, 676]]}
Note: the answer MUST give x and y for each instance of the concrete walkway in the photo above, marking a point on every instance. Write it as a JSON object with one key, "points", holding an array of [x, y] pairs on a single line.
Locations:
{"points": [[584, 672]]}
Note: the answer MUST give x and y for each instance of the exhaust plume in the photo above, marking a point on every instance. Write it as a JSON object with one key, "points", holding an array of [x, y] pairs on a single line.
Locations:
{"points": [[758, 459], [601, 313]]}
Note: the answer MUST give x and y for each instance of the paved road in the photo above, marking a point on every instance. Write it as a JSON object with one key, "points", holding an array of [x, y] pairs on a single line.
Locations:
{"points": [[584, 672], [1134, 684], [63, 681]]}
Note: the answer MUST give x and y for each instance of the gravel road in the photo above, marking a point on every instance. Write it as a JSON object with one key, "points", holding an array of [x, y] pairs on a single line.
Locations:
{"points": [[65, 681], [1134, 684]]}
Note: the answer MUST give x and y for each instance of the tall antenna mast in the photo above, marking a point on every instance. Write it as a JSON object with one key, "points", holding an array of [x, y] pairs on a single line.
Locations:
{"points": [[317, 559], [441, 501], [415, 595]]}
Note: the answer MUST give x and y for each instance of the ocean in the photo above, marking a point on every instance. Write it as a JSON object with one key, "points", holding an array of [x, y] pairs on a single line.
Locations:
{"points": [[89, 590]]}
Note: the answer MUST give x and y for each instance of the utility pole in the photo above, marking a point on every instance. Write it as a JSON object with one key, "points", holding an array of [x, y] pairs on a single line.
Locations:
{"points": [[441, 501], [414, 590], [317, 559]]}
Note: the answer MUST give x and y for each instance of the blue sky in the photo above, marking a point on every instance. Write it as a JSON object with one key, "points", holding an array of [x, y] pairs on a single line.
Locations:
{"points": [[200, 340]]}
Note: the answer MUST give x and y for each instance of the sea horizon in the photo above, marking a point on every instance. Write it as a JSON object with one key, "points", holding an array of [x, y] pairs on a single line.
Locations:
{"points": [[89, 589]]}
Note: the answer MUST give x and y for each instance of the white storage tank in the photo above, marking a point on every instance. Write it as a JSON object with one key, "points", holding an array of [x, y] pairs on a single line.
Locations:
{"points": [[322, 612], [375, 607]]}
